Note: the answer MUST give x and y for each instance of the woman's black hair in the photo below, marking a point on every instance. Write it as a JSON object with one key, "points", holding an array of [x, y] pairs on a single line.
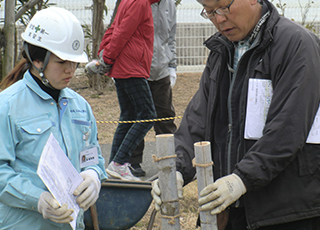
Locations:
{"points": [[16, 74]]}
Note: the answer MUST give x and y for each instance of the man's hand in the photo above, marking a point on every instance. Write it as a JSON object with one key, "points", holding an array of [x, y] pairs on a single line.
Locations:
{"points": [[103, 68], [50, 209], [156, 192], [173, 76], [88, 190], [222, 193]]}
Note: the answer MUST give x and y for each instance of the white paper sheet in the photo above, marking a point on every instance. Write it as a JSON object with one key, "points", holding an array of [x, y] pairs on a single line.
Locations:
{"points": [[59, 175], [259, 98], [314, 134], [258, 102]]}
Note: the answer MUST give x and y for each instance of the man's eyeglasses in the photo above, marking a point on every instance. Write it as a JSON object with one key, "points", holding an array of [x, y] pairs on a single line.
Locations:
{"points": [[221, 11]]}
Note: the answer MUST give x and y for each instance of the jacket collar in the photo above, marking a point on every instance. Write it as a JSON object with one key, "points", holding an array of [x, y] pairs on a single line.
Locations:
{"points": [[33, 85]]}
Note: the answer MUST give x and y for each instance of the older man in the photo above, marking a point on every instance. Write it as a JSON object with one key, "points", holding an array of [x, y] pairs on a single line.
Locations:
{"points": [[266, 160]]}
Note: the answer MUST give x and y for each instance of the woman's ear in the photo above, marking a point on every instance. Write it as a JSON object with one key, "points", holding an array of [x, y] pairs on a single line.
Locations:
{"points": [[38, 64]]}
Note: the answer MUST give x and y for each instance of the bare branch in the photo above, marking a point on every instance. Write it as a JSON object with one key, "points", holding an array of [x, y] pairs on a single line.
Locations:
{"points": [[26, 7]]}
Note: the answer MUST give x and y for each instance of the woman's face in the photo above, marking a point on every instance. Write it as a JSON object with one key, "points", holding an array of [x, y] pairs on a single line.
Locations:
{"points": [[58, 71]]}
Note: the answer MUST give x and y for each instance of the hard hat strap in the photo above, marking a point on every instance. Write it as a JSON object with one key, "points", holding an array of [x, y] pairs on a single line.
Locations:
{"points": [[44, 80]]}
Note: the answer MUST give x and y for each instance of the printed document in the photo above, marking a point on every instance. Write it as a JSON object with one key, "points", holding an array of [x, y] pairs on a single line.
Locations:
{"points": [[314, 134], [258, 102], [59, 175]]}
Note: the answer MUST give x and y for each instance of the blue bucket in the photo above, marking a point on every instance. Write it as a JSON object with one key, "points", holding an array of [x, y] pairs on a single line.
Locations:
{"points": [[121, 204]]}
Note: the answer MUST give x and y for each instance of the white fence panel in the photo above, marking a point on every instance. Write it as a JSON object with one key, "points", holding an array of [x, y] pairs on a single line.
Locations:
{"points": [[192, 29]]}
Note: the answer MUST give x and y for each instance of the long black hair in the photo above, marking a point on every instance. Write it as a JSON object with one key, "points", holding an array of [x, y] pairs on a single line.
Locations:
{"points": [[16, 74]]}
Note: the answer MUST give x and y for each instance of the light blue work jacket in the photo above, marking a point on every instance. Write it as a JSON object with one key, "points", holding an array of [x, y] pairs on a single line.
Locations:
{"points": [[27, 117]]}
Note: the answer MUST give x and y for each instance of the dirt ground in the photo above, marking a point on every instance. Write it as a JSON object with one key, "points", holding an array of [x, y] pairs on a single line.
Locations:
{"points": [[106, 110]]}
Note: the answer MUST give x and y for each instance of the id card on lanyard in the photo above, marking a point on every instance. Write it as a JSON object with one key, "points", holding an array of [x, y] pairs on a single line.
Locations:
{"points": [[89, 154]]}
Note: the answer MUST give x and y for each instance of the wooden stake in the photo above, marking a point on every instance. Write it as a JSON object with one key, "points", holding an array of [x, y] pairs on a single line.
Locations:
{"points": [[203, 163], [166, 162]]}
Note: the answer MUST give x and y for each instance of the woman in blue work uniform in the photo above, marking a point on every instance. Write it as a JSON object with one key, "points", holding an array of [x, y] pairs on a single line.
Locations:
{"points": [[33, 108]]}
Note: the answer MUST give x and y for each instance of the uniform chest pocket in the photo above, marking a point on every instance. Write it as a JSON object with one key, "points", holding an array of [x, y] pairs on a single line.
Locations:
{"points": [[81, 122], [82, 127], [35, 127], [32, 131]]}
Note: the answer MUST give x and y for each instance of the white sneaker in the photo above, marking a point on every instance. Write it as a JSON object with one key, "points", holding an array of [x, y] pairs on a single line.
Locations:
{"points": [[121, 172]]}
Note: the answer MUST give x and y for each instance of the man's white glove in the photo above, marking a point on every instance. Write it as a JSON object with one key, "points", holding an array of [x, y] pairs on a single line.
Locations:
{"points": [[88, 190], [50, 209], [156, 192], [103, 67], [222, 193], [97, 66], [173, 76]]}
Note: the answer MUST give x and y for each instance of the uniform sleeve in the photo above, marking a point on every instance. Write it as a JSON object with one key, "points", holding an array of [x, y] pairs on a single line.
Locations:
{"points": [[15, 191]]}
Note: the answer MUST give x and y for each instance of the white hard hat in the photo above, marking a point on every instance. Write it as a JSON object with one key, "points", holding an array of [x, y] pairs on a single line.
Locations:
{"points": [[59, 31]]}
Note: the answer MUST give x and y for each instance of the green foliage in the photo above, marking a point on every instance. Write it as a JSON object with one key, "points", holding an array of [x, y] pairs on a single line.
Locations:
{"points": [[177, 2], [304, 13], [87, 34], [29, 13], [281, 6]]}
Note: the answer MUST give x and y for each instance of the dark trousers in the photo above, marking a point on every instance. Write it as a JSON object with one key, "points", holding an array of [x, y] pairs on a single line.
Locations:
{"points": [[135, 101], [237, 221], [162, 97]]}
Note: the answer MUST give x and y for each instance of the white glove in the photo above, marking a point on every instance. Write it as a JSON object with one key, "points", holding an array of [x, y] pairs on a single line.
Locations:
{"points": [[173, 76], [88, 190], [103, 67], [50, 209], [222, 193], [156, 192]]}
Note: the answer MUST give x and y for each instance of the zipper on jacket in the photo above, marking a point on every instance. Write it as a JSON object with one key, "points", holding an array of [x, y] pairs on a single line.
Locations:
{"points": [[232, 75], [229, 108], [230, 124]]}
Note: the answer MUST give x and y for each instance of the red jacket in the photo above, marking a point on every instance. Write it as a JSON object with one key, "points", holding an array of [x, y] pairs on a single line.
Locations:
{"points": [[128, 43]]}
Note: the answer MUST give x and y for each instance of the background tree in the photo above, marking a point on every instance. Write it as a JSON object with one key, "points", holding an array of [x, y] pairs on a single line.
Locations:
{"points": [[304, 10], [22, 11], [97, 34], [8, 32]]}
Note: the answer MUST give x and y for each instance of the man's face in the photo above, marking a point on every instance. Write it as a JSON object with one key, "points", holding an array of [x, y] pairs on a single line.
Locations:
{"points": [[239, 22]]}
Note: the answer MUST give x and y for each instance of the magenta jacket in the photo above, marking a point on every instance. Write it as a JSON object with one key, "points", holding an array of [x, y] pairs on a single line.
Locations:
{"points": [[128, 43]]}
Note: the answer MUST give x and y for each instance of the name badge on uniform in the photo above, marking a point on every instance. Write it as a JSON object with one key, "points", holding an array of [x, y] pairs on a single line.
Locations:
{"points": [[89, 157]]}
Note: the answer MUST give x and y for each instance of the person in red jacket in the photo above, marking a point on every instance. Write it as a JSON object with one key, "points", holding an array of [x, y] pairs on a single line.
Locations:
{"points": [[126, 53]]}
